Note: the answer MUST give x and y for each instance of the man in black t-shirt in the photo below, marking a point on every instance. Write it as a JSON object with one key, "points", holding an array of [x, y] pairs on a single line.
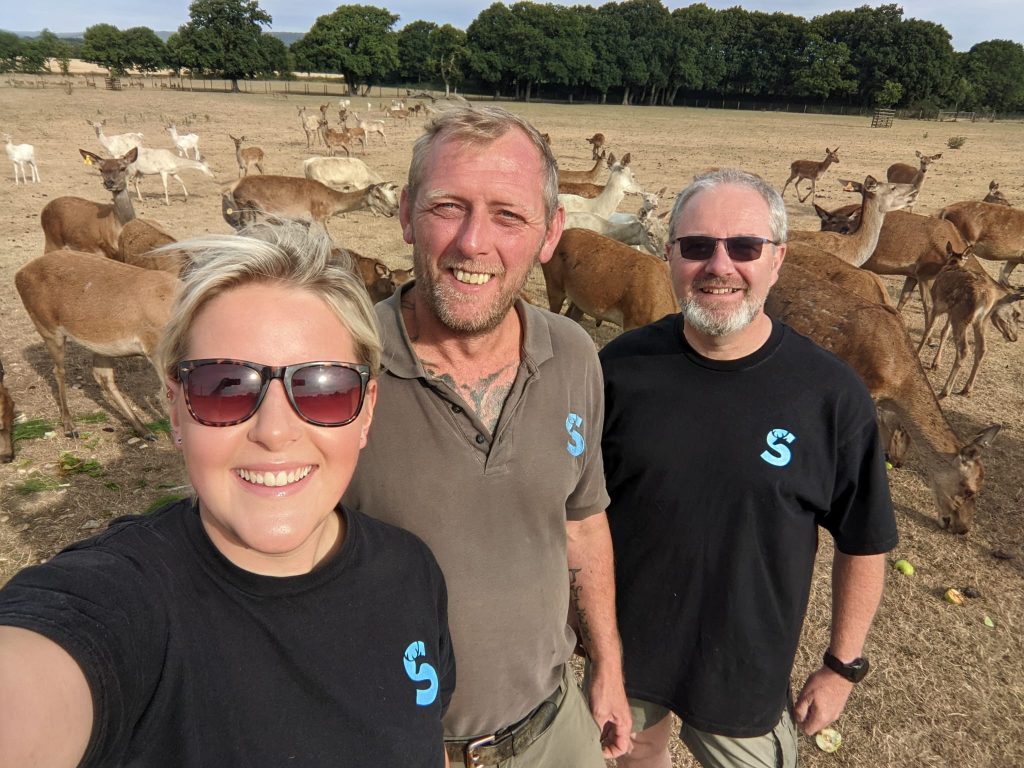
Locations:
{"points": [[728, 440]]}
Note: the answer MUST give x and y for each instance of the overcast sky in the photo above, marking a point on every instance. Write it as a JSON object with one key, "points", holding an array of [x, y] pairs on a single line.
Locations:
{"points": [[968, 21]]}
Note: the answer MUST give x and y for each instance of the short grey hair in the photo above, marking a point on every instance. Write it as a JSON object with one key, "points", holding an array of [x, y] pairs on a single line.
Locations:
{"points": [[482, 125], [777, 220], [290, 253]]}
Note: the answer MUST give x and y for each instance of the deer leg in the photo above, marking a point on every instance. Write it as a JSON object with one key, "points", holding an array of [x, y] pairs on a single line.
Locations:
{"points": [[103, 373], [259, 167], [929, 326], [1004, 273], [908, 288], [979, 354], [556, 298], [178, 179], [574, 312], [135, 181], [796, 187], [163, 178], [960, 334], [942, 341], [55, 343], [927, 304]]}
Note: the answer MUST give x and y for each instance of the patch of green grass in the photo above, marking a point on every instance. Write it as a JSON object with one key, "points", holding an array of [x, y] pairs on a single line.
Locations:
{"points": [[71, 464], [161, 500], [112, 486], [99, 417], [32, 429], [162, 426], [38, 484]]}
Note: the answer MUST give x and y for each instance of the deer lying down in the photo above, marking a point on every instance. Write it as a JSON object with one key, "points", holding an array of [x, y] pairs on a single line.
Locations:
{"points": [[295, 198], [111, 309], [6, 421], [608, 280], [969, 296], [380, 280], [872, 339], [994, 196]]}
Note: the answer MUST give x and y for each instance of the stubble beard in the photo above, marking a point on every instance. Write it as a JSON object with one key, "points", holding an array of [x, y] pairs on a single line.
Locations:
{"points": [[442, 300], [717, 323]]}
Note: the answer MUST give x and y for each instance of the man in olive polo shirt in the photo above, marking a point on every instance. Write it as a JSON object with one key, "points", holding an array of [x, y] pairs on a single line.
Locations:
{"points": [[487, 444]]}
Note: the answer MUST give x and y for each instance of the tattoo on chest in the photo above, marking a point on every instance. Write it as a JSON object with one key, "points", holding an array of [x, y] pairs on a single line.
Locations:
{"points": [[486, 395]]}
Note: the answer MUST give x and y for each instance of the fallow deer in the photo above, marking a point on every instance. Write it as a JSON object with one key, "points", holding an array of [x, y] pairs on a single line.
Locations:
{"points": [[297, 198], [995, 231], [810, 170], [901, 173]]}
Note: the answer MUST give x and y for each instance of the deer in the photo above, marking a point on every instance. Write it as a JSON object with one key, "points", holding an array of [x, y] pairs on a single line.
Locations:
{"points": [[996, 231], [342, 138], [184, 142], [872, 339], [371, 126], [995, 196], [877, 199], [117, 145], [297, 198], [151, 162], [380, 280], [607, 280], [6, 421], [969, 297], [82, 225], [112, 309], [143, 244], [343, 173], [901, 173], [20, 155], [596, 142], [810, 170], [399, 114], [311, 126], [587, 177], [246, 157], [620, 182]]}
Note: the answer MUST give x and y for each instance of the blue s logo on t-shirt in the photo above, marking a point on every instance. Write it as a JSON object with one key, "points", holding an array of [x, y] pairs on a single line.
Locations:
{"points": [[419, 673], [778, 454], [576, 444]]}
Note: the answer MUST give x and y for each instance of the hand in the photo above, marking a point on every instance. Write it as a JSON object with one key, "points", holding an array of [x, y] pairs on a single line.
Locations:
{"points": [[821, 701], [610, 709]]}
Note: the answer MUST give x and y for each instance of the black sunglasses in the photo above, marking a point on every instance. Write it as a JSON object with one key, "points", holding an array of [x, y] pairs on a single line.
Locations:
{"points": [[222, 393], [741, 248]]}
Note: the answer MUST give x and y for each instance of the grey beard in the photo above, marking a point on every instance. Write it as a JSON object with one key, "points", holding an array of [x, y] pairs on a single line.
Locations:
{"points": [[717, 323]]}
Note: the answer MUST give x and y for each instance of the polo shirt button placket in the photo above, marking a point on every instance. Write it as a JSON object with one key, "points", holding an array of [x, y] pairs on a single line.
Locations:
{"points": [[480, 439]]}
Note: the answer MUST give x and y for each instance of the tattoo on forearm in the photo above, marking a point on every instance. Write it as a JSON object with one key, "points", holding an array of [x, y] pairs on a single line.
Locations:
{"points": [[575, 588], [486, 396]]}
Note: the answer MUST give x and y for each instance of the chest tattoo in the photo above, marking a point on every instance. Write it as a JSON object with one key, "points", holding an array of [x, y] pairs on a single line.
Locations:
{"points": [[486, 395]]}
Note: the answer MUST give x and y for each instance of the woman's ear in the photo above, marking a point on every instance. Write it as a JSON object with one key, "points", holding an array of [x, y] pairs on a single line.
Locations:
{"points": [[369, 401]]}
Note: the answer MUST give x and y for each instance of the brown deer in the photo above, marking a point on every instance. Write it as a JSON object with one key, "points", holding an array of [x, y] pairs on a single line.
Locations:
{"points": [[6, 421], [587, 177], [246, 157], [112, 309], [596, 142], [82, 225], [994, 196], [607, 280], [343, 138], [380, 280], [810, 170], [872, 339], [877, 199], [996, 231], [901, 173], [969, 296], [298, 198]]}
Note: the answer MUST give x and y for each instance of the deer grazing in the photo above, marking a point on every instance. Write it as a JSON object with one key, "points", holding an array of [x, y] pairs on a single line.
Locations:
{"points": [[112, 309], [620, 182], [872, 339], [151, 162], [116, 145], [184, 142], [311, 127], [810, 170], [6, 421], [969, 296], [994, 196], [596, 143], [877, 199], [21, 155], [607, 280], [995, 231], [297, 198], [901, 173], [246, 157]]}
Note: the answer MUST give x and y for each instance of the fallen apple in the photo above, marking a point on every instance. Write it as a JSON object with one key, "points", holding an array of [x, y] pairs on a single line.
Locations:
{"points": [[904, 566], [828, 739], [954, 597]]}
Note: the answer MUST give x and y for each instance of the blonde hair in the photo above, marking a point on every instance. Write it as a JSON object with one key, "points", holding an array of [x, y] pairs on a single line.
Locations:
{"points": [[482, 125], [291, 253]]}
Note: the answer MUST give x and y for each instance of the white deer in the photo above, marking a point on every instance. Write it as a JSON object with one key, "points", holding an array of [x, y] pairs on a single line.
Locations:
{"points": [[151, 162], [184, 142], [20, 154], [116, 145]]}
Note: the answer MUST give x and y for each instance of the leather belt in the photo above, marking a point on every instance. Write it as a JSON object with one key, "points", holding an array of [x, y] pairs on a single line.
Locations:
{"points": [[508, 742]]}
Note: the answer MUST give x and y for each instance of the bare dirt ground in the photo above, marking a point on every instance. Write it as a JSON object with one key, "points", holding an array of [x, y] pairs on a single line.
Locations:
{"points": [[947, 690]]}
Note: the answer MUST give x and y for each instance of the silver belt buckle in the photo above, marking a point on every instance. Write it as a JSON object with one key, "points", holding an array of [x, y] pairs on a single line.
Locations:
{"points": [[473, 746]]}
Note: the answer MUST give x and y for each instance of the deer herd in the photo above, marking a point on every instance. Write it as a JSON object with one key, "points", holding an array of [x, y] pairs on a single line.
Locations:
{"points": [[107, 278]]}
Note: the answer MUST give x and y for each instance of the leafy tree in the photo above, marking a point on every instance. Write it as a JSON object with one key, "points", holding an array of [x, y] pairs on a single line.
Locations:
{"points": [[146, 51], [646, 48], [355, 40], [871, 36], [889, 95], [414, 51], [223, 37], [822, 69], [33, 57], [926, 62], [62, 54], [696, 60], [551, 44], [492, 54], [996, 70], [277, 60], [605, 33], [104, 44], [10, 50], [448, 54]]}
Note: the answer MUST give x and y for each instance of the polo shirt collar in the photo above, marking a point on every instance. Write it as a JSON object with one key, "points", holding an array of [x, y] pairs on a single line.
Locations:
{"points": [[400, 360]]}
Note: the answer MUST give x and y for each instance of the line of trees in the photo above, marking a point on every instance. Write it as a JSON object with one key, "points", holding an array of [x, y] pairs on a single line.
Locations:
{"points": [[634, 51]]}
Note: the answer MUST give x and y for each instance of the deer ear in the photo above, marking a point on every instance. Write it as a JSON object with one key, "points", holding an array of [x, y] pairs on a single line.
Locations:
{"points": [[131, 155], [625, 160], [822, 213], [381, 270], [980, 442]]}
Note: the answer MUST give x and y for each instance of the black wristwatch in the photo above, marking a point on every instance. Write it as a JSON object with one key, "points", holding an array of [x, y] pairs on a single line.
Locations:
{"points": [[855, 671]]}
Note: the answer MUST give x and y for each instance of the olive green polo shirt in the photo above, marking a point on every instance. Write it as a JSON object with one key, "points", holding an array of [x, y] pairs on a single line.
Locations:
{"points": [[492, 507]]}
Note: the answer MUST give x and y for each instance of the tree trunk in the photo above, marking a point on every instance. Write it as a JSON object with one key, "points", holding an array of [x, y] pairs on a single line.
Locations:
{"points": [[526, 96], [234, 85], [625, 96], [604, 97]]}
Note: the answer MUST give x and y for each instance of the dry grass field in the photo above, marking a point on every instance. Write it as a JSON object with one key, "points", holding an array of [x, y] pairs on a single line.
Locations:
{"points": [[947, 690]]}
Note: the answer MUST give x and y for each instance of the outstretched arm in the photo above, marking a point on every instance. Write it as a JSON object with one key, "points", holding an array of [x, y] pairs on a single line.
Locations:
{"points": [[45, 704], [592, 593], [857, 582]]}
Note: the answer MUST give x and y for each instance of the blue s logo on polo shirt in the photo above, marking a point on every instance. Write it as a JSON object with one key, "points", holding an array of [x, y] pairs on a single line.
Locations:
{"points": [[778, 454], [576, 443], [420, 673]]}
